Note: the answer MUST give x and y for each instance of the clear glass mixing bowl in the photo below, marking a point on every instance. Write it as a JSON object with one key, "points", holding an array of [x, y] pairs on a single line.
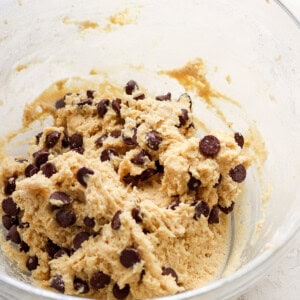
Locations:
{"points": [[256, 42]]}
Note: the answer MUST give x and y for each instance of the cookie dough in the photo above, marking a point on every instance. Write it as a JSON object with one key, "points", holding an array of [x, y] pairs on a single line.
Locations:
{"points": [[120, 198]]}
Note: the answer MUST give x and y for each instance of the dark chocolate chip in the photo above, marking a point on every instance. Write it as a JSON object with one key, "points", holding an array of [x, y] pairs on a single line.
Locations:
{"points": [[146, 231], [214, 215], [82, 173], [146, 174], [30, 170], [115, 221], [80, 285], [65, 217], [209, 146], [140, 158], [13, 235], [130, 87], [153, 139], [32, 263], [174, 204], [136, 214], [10, 207], [129, 179], [238, 173], [164, 97], [99, 141], [169, 271], [227, 210], [121, 294], [130, 140], [83, 102], [65, 141], [59, 199], [219, 181], [201, 208], [52, 139], [10, 186], [24, 247], [183, 117], [76, 141], [106, 154], [115, 134], [99, 280], [159, 167], [90, 94], [193, 183], [61, 252], [57, 283], [142, 276], [102, 107], [60, 103], [51, 248], [9, 221], [38, 137], [139, 97], [79, 239], [41, 157], [48, 169], [129, 257], [89, 222], [116, 106], [239, 139]]}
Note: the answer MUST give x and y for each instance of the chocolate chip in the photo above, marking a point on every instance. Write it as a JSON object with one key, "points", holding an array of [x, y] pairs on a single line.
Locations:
{"points": [[153, 139], [239, 139], [130, 140], [76, 141], [24, 247], [90, 94], [139, 97], [99, 280], [219, 181], [80, 285], [38, 137], [60, 103], [238, 173], [115, 221], [159, 167], [201, 208], [129, 257], [140, 158], [142, 276], [9, 221], [51, 248], [183, 117], [102, 107], [41, 157], [99, 141], [227, 210], [58, 283], [30, 170], [136, 214], [10, 207], [32, 263], [214, 215], [13, 235], [65, 217], [83, 102], [61, 252], [52, 139], [48, 169], [106, 154], [146, 174], [164, 97], [146, 231], [65, 141], [174, 204], [79, 150], [129, 179], [89, 222], [82, 173], [169, 271], [209, 146], [10, 186], [79, 239], [130, 87], [193, 183], [116, 106], [115, 134], [59, 199], [121, 294]]}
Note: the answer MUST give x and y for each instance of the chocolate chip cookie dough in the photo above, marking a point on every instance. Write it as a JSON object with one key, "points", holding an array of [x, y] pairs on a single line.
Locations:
{"points": [[121, 197]]}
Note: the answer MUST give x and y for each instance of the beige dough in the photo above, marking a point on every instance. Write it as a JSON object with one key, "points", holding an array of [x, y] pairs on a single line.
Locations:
{"points": [[165, 237]]}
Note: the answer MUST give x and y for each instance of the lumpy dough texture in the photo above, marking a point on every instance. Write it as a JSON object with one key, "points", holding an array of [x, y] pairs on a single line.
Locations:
{"points": [[120, 199]]}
